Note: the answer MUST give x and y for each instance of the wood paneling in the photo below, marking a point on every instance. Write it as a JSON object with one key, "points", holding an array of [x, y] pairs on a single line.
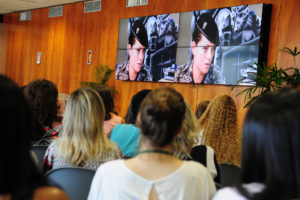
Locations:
{"points": [[289, 31], [90, 40], [40, 25], [18, 48], [63, 54], [64, 42]]}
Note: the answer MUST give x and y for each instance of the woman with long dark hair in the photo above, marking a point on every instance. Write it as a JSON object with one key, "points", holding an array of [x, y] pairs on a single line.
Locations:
{"points": [[20, 178], [42, 97], [270, 152]]}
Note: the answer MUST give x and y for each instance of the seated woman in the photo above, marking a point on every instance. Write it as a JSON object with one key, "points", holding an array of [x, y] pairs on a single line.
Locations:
{"points": [[185, 145], [127, 135], [20, 178], [82, 142], [111, 118], [42, 97], [134, 106], [219, 129], [155, 173], [270, 161]]}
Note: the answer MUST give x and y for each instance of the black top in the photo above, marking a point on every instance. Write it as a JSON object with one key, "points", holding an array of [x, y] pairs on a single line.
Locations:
{"points": [[199, 154]]}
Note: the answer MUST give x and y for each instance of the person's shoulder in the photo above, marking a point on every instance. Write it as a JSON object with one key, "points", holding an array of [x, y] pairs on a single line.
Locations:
{"points": [[116, 119], [52, 145], [47, 192], [115, 152], [228, 193], [144, 74], [127, 127], [146, 67], [122, 66], [194, 166], [200, 148], [111, 166], [185, 66], [214, 75], [184, 73], [122, 72]]}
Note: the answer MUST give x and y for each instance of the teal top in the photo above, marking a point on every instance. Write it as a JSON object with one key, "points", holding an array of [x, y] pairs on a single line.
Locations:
{"points": [[127, 138]]}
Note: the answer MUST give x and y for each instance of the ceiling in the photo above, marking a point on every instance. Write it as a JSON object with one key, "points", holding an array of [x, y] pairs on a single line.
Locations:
{"points": [[7, 6]]}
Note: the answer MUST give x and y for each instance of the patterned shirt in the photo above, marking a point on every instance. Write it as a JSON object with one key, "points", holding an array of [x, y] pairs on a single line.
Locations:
{"points": [[122, 73], [184, 74], [50, 134], [52, 161]]}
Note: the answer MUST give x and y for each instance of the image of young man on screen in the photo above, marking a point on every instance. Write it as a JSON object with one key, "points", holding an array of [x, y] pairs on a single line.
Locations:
{"points": [[134, 69], [200, 69]]}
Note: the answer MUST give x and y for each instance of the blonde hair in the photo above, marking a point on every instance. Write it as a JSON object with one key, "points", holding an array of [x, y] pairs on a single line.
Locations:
{"points": [[219, 125], [188, 137], [83, 138]]}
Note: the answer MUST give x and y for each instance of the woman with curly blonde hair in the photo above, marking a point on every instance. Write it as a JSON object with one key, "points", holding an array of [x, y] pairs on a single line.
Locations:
{"points": [[82, 142], [220, 129], [185, 145]]}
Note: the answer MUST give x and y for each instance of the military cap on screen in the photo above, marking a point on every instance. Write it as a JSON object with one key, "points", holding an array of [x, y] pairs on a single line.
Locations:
{"points": [[140, 33], [208, 28]]}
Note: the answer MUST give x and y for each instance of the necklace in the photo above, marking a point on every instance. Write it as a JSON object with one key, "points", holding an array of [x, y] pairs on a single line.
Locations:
{"points": [[155, 151]]}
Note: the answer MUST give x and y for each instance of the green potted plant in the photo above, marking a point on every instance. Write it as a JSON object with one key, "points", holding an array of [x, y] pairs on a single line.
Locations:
{"points": [[101, 74], [269, 78]]}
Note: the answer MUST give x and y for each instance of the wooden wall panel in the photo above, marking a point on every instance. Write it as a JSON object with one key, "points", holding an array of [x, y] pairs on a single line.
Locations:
{"points": [[90, 40], [39, 42], [55, 50], [127, 89], [18, 54], [3, 45], [71, 54], [289, 31], [64, 42], [64, 37]]}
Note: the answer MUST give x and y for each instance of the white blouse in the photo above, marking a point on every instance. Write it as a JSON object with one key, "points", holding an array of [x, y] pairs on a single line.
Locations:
{"points": [[114, 180]]}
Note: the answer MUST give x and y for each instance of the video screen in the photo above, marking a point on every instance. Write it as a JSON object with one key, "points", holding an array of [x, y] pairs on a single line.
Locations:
{"points": [[216, 46]]}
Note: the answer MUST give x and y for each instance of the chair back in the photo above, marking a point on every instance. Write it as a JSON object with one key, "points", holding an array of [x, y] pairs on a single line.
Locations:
{"points": [[39, 152], [230, 174], [75, 181]]}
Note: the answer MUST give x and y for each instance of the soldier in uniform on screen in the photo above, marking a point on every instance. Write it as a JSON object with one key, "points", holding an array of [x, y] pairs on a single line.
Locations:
{"points": [[200, 69], [134, 69]]}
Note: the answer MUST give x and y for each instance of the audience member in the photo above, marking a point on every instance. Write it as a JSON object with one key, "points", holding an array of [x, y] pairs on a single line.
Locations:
{"points": [[201, 108], [42, 96], [127, 135], [62, 102], [220, 129], [134, 106], [186, 148], [82, 141], [127, 138], [154, 173], [111, 118], [20, 178], [270, 162]]}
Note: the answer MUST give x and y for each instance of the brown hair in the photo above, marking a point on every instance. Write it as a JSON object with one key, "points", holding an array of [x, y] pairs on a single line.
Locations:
{"points": [[219, 125], [201, 108], [161, 116]]}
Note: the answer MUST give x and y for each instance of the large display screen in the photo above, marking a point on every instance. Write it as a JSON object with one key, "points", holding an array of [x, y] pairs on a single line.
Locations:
{"points": [[216, 46]]}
